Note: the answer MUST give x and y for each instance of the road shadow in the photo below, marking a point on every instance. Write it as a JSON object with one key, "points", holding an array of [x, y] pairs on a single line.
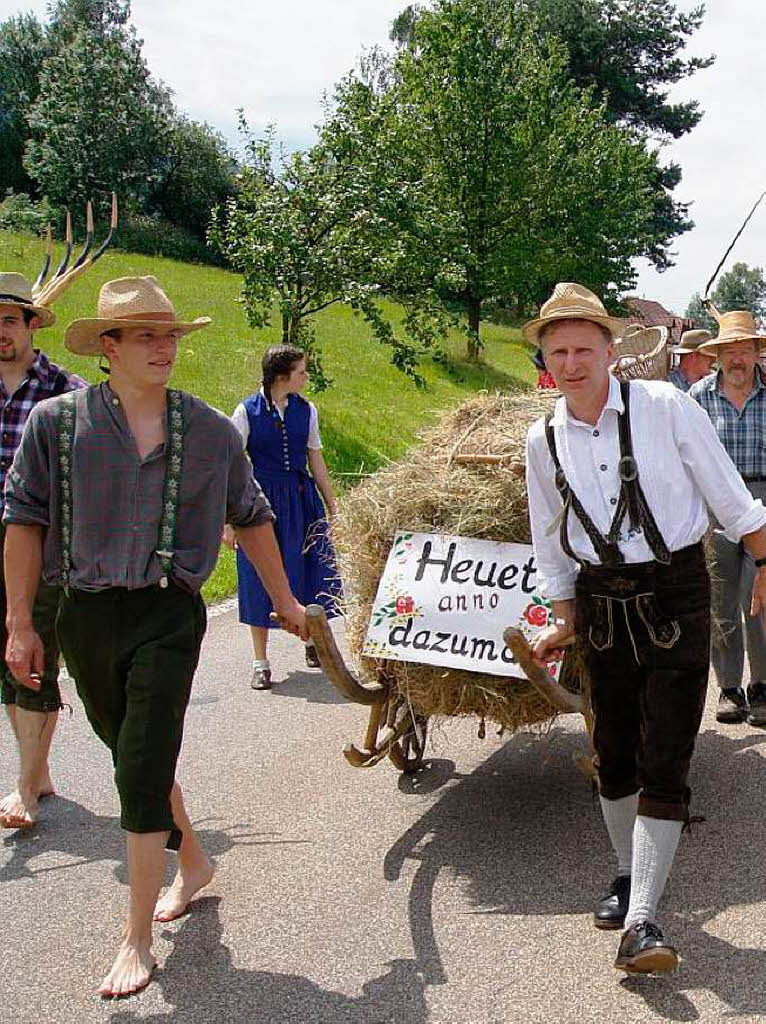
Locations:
{"points": [[83, 837], [525, 834], [200, 983], [311, 685]]}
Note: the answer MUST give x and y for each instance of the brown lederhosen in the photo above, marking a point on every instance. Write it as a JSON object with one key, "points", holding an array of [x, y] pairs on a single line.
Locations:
{"points": [[644, 630]]}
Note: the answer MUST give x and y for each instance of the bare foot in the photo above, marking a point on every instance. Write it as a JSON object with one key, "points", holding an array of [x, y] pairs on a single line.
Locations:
{"points": [[186, 885], [18, 810], [131, 971], [46, 787]]}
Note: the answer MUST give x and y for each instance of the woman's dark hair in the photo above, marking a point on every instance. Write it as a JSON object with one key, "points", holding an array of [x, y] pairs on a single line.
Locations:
{"points": [[278, 361]]}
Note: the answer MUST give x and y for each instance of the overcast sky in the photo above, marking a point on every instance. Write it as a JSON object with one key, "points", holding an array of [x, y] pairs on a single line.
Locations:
{"points": [[276, 60]]}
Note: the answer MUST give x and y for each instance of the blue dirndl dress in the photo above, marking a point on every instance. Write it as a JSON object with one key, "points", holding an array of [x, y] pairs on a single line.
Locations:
{"points": [[278, 450]]}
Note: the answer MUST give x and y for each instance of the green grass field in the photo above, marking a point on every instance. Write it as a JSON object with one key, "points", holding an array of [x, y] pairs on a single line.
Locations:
{"points": [[372, 413]]}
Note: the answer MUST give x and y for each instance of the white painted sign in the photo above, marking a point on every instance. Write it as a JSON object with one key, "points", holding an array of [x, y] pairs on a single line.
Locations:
{"points": [[446, 600]]}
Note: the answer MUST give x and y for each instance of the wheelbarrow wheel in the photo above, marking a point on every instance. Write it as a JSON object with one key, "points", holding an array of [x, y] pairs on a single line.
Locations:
{"points": [[407, 755]]}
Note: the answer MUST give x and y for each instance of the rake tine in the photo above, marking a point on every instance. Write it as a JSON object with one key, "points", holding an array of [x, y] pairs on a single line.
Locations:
{"points": [[88, 237], [46, 261], [108, 240], [67, 250]]}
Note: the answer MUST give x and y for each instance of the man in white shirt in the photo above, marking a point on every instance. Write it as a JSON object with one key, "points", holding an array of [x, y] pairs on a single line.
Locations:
{"points": [[618, 482]]}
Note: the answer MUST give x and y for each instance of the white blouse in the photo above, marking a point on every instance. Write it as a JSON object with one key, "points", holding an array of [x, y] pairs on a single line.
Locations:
{"points": [[682, 466], [241, 422]]}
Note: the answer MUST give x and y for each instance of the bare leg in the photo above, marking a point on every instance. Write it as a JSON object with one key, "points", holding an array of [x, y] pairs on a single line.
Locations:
{"points": [[260, 637], [34, 734], [133, 967], [195, 870]]}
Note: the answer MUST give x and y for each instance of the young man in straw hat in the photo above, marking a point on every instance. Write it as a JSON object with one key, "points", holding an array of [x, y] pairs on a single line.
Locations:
{"points": [[693, 364], [26, 378], [619, 479], [120, 494], [735, 400]]}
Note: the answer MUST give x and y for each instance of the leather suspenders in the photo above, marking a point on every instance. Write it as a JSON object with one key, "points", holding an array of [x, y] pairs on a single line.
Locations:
{"points": [[631, 502]]}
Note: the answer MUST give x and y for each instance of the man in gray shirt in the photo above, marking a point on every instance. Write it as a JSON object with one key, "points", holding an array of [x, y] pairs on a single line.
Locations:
{"points": [[119, 494]]}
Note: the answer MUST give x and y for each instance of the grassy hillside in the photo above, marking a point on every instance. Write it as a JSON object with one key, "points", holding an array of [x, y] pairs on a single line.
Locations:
{"points": [[371, 414]]}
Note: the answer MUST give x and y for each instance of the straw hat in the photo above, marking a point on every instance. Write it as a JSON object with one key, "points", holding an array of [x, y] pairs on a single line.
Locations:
{"points": [[571, 302], [738, 325], [691, 342], [127, 302], [17, 291]]}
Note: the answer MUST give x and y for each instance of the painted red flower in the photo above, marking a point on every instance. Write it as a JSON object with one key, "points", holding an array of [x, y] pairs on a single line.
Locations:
{"points": [[536, 615], [409, 604], [400, 606]]}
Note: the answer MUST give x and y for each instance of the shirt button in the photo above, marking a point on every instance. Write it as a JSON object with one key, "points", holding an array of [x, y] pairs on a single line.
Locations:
{"points": [[115, 401], [595, 433], [603, 467], [612, 501]]}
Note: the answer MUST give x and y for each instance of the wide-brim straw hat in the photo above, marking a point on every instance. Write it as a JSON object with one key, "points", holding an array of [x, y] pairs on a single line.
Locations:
{"points": [[692, 341], [127, 302], [15, 290], [571, 301], [737, 325]]}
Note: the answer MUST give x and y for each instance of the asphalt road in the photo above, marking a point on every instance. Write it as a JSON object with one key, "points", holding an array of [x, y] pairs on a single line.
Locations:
{"points": [[348, 896]]}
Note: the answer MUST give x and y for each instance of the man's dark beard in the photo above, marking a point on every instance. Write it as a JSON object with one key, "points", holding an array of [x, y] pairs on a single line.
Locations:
{"points": [[9, 356]]}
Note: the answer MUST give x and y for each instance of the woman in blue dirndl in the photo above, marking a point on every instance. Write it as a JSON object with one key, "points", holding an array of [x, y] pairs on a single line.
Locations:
{"points": [[281, 434]]}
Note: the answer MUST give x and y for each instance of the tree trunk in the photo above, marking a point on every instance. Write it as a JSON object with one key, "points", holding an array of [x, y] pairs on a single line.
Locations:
{"points": [[474, 319], [285, 329], [295, 322]]}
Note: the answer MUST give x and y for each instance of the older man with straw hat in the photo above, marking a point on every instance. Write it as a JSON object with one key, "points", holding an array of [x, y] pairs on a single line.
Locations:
{"points": [[735, 400], [119, 493], [619, 480], [693, 362]]}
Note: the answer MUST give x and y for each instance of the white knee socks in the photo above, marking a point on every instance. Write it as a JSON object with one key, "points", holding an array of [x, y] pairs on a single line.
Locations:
{"points": [[620, 817], [654, 847]]}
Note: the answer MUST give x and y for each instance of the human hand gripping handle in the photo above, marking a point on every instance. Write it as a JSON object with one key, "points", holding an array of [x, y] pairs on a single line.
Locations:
{"points": [[23, 556], [550, 642]]}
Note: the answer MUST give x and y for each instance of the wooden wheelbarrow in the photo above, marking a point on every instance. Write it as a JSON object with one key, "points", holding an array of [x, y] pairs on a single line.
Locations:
{"points": [[395, 729]]}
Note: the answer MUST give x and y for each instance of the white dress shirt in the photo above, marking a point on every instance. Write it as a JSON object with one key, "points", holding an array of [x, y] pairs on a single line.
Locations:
{"points": [[682, 468]]}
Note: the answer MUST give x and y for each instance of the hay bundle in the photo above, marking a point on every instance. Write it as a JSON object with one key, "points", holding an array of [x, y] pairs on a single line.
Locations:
{"points": [[429, 491]]}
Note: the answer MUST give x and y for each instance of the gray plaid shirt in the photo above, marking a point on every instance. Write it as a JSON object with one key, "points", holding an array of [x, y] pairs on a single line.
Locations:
{"points": [[117, 497], [742, 431]]}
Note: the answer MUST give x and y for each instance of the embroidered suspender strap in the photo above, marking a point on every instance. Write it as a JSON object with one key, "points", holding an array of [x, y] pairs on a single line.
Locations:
{"points": [[171, 495], [66, 428], [607, 551]]}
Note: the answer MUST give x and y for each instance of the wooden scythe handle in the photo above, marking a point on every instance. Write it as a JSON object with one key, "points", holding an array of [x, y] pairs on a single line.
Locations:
{"points": [[554, 693], [333, 664]]}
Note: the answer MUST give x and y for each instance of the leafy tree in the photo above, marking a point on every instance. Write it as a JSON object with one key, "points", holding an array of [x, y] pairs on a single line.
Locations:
{"points": [[742, 287], [196, 172], [23, 47], [505, 176], [296, 233], [99, 119], [699, 315], [628, 52]]}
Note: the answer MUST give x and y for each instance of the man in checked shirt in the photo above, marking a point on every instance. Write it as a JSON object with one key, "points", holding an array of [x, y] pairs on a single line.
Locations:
{"points": [[735, 400], [26, 378]]}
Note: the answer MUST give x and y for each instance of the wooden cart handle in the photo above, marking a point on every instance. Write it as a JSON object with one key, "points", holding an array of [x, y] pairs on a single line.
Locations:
{"points": [[544, 683], [333, 664]]}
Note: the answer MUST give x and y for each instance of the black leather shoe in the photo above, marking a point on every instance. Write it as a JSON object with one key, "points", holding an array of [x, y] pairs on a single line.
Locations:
{"points": [[611, 909], [643, 950]]}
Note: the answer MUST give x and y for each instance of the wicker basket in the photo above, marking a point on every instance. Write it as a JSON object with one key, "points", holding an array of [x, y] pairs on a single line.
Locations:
{"points": [[642, 354]]}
